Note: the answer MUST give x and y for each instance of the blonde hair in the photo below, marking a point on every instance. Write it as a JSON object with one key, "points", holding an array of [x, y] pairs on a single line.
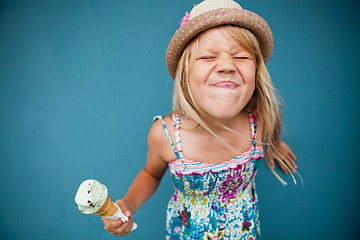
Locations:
{"points": [[264, 102]]}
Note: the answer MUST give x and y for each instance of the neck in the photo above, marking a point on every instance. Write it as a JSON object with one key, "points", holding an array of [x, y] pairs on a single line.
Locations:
{"points": [[222, 126]]}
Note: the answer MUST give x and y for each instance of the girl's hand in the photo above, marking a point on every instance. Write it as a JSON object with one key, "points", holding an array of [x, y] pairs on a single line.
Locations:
{"points": [[118, 227], [286, 152]]}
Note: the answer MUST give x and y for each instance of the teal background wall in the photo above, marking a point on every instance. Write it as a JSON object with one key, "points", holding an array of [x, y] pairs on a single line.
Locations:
{"points": [[81, 80]]}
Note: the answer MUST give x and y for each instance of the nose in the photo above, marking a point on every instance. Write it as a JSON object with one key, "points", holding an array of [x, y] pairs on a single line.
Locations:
{"points": [[225, 64]]}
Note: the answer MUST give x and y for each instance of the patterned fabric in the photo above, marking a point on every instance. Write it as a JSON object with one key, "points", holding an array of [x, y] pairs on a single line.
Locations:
{"points": [[213, 201]]}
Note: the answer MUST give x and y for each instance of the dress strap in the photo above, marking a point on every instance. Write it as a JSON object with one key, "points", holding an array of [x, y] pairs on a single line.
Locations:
{"points": [[176, 121], [169, 138], [252, 122]]}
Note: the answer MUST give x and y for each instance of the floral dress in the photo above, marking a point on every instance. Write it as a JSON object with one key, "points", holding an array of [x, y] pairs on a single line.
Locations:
{"points": [[213, 201]]}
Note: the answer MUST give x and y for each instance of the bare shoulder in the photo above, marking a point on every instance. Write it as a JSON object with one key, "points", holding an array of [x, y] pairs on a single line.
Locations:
{"points": [[158, 141], [157, 134]]}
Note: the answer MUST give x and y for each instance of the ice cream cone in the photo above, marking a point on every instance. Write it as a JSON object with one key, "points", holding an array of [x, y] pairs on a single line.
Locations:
{"points": [[108, 208], [92, 197]]}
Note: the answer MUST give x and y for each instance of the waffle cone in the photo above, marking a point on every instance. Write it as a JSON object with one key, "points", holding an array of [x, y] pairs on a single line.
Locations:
{"points": [[108, 208]]}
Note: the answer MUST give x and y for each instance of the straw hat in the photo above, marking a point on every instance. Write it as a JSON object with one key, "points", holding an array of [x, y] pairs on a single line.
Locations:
{"points": [[212, 13]]}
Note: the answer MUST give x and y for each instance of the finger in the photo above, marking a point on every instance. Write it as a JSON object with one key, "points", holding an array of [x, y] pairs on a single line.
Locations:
{"points": [[124, 208], [120, 231], [282, 167], [292, 155], [293, 166], [110, 225], [291, 159], [290, 163], [271, 160], [123, 230]]}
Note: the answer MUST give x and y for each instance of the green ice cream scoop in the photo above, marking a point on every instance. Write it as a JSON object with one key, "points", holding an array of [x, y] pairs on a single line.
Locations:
{"points": [[90, 196]]}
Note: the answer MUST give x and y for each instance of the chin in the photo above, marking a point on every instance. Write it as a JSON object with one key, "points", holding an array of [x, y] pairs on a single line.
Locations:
{"points": [[226, 115]]}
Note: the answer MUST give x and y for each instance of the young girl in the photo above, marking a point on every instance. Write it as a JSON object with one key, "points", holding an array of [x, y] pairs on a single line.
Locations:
{"points": [[224, 110]]}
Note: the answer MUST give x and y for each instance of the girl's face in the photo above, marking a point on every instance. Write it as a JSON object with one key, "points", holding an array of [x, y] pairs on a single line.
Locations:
{"points": [[222, 78]]}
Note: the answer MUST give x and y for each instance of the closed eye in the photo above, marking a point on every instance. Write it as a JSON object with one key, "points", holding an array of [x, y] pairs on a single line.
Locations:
{"points": [[243, 58], [206, 58]]}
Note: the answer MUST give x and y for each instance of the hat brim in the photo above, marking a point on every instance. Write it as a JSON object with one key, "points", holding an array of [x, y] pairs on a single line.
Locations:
{"points": [[222, 16]]}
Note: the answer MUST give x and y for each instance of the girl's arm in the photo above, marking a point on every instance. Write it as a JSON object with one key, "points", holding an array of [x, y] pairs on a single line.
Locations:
{"points": [[283, 149], [145, 183]]}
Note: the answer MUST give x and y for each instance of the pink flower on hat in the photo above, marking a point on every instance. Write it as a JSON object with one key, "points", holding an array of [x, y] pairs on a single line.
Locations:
{"points": [[185, 19]]}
